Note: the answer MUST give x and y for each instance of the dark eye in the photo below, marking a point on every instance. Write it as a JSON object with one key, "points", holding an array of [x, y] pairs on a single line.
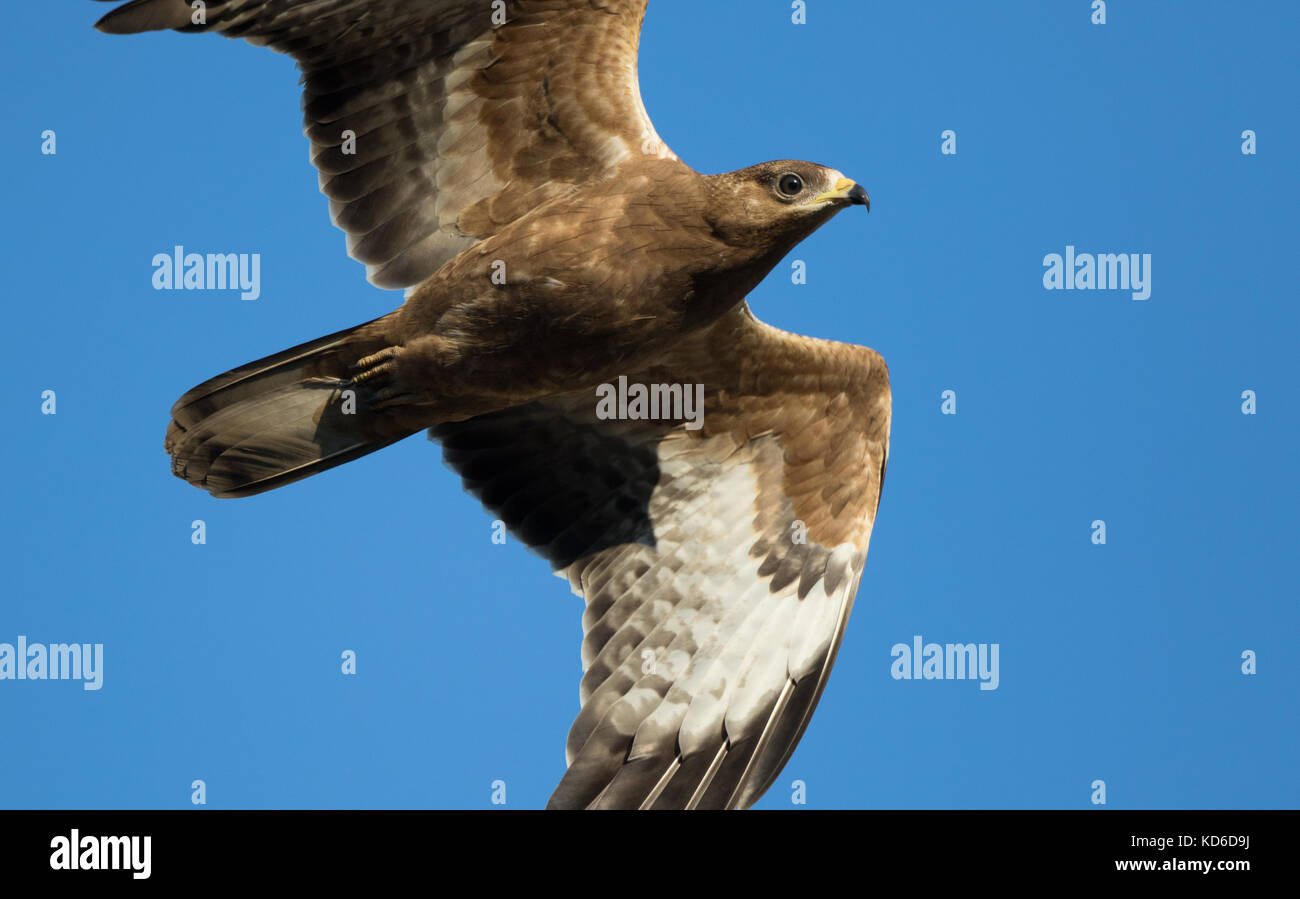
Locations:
{"points": [[790, 184]]}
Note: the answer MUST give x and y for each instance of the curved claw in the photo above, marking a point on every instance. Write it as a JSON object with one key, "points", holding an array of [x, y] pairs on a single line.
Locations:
{"points": [[376, 365]]}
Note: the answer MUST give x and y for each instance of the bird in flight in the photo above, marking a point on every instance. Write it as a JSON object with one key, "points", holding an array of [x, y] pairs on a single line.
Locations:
{"points": [[571, 286]]}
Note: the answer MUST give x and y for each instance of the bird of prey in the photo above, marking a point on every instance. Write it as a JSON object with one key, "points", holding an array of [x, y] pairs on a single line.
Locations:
{"points": [[495, 159]]}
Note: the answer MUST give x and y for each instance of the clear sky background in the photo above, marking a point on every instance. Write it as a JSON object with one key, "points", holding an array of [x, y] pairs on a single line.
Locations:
{"points": [[1120, 662]]}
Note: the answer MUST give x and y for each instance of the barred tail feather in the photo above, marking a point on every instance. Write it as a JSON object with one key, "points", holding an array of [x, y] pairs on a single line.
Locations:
{"points": [[280, 419]]}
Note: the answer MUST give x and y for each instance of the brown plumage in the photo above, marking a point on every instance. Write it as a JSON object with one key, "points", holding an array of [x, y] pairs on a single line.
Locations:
{"points": [[496, 159]]}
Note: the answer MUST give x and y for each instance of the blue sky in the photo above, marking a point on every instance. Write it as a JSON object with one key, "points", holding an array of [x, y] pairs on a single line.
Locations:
{"points": [[1120, 662]]}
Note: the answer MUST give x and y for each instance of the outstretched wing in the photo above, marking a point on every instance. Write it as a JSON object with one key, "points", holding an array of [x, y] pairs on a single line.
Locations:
{"points": [[718, 564], [433, 123]]}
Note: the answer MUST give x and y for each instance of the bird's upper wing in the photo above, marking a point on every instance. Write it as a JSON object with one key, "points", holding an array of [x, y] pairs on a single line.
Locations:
{"points": [[718, 565], [433, 123]]}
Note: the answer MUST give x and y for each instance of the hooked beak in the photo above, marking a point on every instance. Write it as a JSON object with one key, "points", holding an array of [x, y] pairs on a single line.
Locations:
{"points": [[847, 190]]}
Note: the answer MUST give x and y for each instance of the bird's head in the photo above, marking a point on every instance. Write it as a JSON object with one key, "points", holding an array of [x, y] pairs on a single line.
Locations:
{"points": [[772, 206]]}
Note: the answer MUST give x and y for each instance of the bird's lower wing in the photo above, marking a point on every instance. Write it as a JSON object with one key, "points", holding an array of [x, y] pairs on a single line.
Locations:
{"points": [[718, 563]]}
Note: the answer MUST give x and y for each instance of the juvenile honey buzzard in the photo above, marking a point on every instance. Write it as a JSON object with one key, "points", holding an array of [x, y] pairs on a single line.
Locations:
{"points": [[496, 159]]}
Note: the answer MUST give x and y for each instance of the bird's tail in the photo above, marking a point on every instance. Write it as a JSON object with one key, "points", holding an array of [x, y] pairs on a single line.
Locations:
{"points": [[282, 418]]}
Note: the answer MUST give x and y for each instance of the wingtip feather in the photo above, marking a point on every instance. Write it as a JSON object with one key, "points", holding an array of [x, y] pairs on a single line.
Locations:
{"points": [[145, 15]]}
